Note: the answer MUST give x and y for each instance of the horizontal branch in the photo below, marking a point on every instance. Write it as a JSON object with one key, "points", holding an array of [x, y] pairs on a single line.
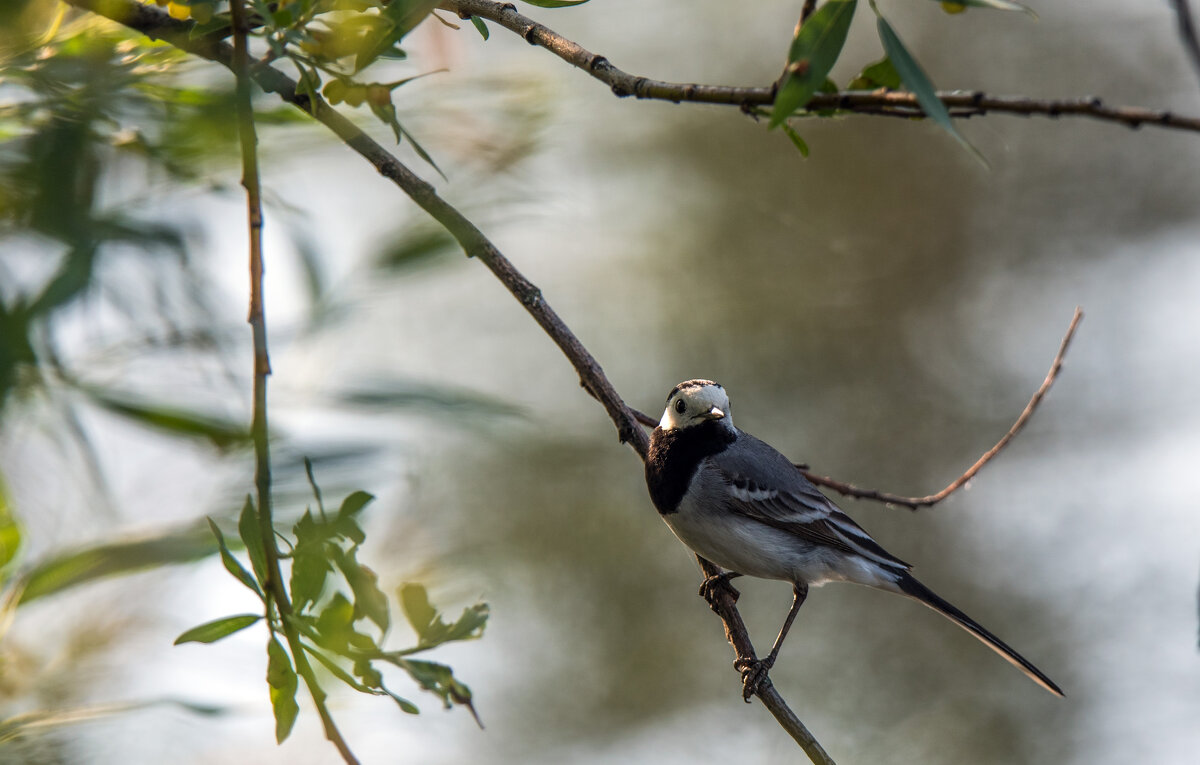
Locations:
{"points": [[876, 102]]}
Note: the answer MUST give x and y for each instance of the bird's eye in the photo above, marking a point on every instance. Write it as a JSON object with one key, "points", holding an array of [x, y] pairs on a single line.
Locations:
{"points": [[680, 406]]}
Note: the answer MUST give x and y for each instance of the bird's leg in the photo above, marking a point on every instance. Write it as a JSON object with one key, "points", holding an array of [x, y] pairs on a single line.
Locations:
{"points": [[754, 671], [710, 585]]}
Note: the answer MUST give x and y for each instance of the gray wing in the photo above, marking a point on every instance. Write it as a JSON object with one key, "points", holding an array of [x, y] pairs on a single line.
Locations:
{"points": [[764, 485]]}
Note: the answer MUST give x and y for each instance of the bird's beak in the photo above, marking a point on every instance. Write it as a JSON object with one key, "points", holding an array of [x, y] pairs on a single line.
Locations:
{"points": [[714, 414]]}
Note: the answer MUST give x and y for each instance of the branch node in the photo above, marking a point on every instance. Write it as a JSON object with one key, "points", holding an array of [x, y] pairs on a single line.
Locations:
{"points": [[529, 33]]}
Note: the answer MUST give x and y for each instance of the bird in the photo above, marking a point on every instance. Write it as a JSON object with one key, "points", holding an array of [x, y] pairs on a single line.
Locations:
{"points": [[741, 504]]}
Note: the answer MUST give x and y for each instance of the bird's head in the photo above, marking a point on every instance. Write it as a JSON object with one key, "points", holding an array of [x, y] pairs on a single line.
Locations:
{"points": [[696, 402]]}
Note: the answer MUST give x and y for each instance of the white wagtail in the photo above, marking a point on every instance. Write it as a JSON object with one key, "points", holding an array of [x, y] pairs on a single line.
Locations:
{"points": [[742, 505]]}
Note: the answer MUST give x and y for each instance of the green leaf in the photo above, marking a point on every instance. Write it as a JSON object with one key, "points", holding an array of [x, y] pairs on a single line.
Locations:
{"points": [[211, 632], [416, 246], [223, 434], [400, 17], [249, 531], [555, 3], [999, 5], [369, 600], [815, 49], [10, 529], [439, 679], [116, 558], [417, 608], [880, 74], [482, 27], [918, 82], [310, 561], [347, 523], [796, 139], [470, 625], [231, 563], [282, 680]]}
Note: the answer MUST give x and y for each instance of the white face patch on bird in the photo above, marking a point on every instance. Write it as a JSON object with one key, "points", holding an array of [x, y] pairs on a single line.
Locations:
{"points": [[695, 402]]}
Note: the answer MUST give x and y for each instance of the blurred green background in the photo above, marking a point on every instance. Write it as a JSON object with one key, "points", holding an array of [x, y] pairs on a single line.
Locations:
{"points": [[881, 311]]}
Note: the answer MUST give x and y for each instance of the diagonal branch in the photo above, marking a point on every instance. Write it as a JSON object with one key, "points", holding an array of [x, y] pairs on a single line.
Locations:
{"points": [[158, 25], [876, 102]]}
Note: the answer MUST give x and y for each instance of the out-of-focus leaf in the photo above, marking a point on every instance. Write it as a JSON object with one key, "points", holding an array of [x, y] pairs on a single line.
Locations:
{"points": [[814, 51], [347, 517], [402, 16], [70, 569], [797, 141], [22, 724], [222, 433], [251, 534], [369, 600], [393, 395], [231, 563], [282, 680], [211, 632], [335, 624], [10, 529], [428, 624], [439, 679], [310, 562], [417, 246], [999, 5], [918, 82], [880, 74], [481, 26], [417, 608], [555, 3]]}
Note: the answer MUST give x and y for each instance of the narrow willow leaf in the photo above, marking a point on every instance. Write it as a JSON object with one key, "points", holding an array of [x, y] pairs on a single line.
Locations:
{"points": [[231, 563], [282, 680], [223, 434], [918, 82], [251, 534], [796, 139], [999, 5], [814, 51], [116, 558], [211, 632], [481, 26]]}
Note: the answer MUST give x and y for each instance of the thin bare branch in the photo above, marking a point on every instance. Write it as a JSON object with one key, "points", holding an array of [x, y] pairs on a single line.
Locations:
{"points": [[915, 503], [876, 102], [1187, 32], [276, 590]]}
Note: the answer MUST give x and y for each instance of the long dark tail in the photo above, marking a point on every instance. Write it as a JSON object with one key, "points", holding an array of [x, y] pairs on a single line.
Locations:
{"points": [[914, 589]]}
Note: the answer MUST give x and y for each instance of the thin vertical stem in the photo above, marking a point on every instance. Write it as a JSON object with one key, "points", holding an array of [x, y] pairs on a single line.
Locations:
{"points": [[274, 588]]}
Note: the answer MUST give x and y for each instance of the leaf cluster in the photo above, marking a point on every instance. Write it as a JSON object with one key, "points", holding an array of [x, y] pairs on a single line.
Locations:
{"points": [[333, 610], [818, 44]]}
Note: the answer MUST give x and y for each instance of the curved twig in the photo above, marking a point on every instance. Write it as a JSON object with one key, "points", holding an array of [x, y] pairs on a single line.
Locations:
{"points": [[916, 503], [876, 102]]}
